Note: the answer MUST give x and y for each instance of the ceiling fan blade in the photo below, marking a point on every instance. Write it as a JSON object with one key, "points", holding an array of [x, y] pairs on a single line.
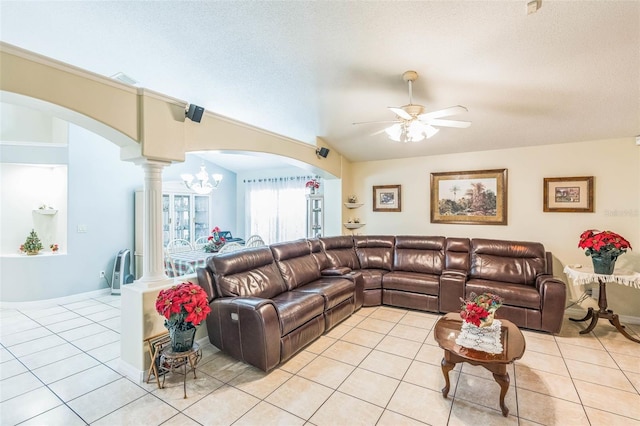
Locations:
{"points": [[401, 113], [377, 122], [448, 123], [458, 109]]}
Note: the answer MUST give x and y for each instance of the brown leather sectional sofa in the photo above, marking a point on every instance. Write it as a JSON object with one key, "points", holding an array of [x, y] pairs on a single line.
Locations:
{"points": [[270, 302]]}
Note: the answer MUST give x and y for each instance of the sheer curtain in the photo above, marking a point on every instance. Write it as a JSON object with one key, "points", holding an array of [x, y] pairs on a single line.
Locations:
{"points": [[276, 208]]}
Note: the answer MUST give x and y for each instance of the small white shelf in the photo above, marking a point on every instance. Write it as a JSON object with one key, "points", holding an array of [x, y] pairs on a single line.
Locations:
{"points": [[353, 205], [46, 211], [353, 225]]}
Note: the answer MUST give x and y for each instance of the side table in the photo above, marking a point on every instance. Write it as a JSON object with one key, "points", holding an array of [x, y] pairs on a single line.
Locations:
{"points": [[187, 359], [583, 276]]}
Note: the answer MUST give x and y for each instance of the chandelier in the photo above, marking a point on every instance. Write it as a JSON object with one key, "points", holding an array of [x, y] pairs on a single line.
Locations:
{"points": [[410, 131], [201, 184]]}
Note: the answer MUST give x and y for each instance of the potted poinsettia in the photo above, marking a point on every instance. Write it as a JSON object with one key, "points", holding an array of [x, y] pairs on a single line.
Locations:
{"points": [[184, 306], [604, 247]]}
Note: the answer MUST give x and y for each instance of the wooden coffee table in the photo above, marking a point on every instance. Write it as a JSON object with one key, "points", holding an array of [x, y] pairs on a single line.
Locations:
{"points": [[447, 330]]}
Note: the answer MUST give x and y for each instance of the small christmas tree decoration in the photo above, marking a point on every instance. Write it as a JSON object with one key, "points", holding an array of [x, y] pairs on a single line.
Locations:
{"points": [[32, 245]]}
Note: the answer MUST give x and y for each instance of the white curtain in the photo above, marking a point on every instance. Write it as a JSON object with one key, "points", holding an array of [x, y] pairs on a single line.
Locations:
{"points": [[276, 208]]}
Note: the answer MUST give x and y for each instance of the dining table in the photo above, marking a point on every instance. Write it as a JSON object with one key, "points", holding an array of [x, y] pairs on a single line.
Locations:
{"points": [[185, 262]]}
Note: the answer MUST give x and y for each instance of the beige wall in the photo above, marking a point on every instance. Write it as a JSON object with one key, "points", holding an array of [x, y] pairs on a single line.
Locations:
{"points": [[615, 164]]}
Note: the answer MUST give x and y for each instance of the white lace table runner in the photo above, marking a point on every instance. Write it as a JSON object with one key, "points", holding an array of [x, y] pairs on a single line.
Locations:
{"points": [[486, 339], [585, 275]]}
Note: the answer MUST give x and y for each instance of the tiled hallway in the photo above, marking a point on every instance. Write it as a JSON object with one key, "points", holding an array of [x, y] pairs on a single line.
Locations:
{"points": [[59, 366]]}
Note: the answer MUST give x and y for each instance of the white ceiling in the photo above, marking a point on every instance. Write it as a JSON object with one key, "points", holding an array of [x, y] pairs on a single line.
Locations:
{"points": [[568, 73]]}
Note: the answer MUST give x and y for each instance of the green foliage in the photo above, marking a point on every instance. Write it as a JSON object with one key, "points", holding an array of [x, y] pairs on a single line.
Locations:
{"points": [[33, 243]]}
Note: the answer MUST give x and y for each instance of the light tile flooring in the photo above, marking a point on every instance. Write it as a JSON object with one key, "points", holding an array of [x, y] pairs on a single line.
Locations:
{"points": [[59, 366]]}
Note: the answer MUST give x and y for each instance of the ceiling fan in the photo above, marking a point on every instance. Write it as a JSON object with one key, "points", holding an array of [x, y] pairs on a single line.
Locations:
{"points": [[412, 124]]}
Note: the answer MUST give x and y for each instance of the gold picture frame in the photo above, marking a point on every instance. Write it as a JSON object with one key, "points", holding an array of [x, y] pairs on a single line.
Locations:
{"points": [[568, 194], [470, 197], [387, 198]]}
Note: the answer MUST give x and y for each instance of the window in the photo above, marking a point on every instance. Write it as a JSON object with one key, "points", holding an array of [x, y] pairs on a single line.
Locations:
{"points": [[276, 208]]}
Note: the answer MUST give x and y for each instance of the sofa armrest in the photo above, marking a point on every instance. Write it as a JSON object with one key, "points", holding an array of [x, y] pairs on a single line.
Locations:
{"points": [[452, 283], [247, 328], [355, 276], [338, 271], [553, 296]]}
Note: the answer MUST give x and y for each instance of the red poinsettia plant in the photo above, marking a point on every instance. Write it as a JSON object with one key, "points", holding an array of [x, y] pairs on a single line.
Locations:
{"points": [[184, 306], [313, 183], [599, 243], [477, 309]]}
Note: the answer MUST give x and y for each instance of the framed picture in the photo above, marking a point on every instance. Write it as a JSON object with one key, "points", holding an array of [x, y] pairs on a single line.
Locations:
{"points": [[387, 198], [474, 197], [568, 194]]}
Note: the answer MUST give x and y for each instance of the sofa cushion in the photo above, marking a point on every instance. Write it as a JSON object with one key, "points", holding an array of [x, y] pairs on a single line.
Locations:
{"points": [[419, 254], [412, 282], [296, 308], [514, 294], [333, 290], [515, 262], [295, 262], [374, 252], [340, 251], [250, 272]]}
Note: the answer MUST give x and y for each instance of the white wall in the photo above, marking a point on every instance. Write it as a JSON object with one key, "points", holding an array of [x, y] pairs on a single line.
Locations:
{"points": [[615, 164], [100, 198]]}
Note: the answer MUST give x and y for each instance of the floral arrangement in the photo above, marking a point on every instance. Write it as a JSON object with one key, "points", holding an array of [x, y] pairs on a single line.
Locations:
{"points": [[313, 184], [215, 241], [54, 248], [598, 243], [477, 309], [184, 306], [32, 245]]}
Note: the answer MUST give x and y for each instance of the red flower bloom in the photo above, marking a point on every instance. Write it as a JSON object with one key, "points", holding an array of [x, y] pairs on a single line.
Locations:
{"points": [[598, 243], [184, 305], [478, 308]]}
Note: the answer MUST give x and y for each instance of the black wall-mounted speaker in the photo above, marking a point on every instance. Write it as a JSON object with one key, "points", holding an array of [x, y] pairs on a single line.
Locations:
{"points": [[322, 152], [194, 113]]}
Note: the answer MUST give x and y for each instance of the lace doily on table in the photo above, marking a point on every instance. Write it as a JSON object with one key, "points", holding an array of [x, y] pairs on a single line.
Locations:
{"points": [[581, 276], [486, 339]]}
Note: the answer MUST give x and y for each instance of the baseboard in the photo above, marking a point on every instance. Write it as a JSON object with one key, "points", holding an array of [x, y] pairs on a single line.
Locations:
{"points": [[624, 319], [131, 372], [35, 304]]}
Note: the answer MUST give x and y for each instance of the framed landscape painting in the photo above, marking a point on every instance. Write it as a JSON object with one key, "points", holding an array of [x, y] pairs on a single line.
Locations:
{"points": [[472, 197], [568, 194], [387, 198]]}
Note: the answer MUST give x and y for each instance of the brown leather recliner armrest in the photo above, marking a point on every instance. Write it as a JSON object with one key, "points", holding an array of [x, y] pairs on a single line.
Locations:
{"points": [[553, 296], [340, 270], [452, 283], [247, 328]]}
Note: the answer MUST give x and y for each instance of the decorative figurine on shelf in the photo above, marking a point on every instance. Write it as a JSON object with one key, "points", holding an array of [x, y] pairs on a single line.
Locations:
{"points": [[215, 241], [356, 220], [184, 306], [54, 248], [352, 199], [32, 245], [313, 186], [350, 220], [604, 247]]}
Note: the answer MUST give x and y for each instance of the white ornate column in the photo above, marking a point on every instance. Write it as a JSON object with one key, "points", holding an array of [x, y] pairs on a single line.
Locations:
{"points": [[138, 299], [153, 256]]}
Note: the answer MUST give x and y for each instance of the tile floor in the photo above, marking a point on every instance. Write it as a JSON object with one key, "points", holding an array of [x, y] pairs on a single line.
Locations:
{"points": [[58, 366]]}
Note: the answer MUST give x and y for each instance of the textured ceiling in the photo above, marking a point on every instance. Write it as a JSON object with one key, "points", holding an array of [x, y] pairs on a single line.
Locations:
{"points": [[568, 73]]}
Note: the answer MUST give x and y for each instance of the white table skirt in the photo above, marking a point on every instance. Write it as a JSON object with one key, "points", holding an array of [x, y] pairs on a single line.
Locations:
{"points": [[585, 275]]}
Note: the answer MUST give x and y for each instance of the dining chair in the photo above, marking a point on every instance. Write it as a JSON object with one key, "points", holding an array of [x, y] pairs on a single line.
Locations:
{"points": [[201, 242], [254, 241], [230, 247], [178, 245]]}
